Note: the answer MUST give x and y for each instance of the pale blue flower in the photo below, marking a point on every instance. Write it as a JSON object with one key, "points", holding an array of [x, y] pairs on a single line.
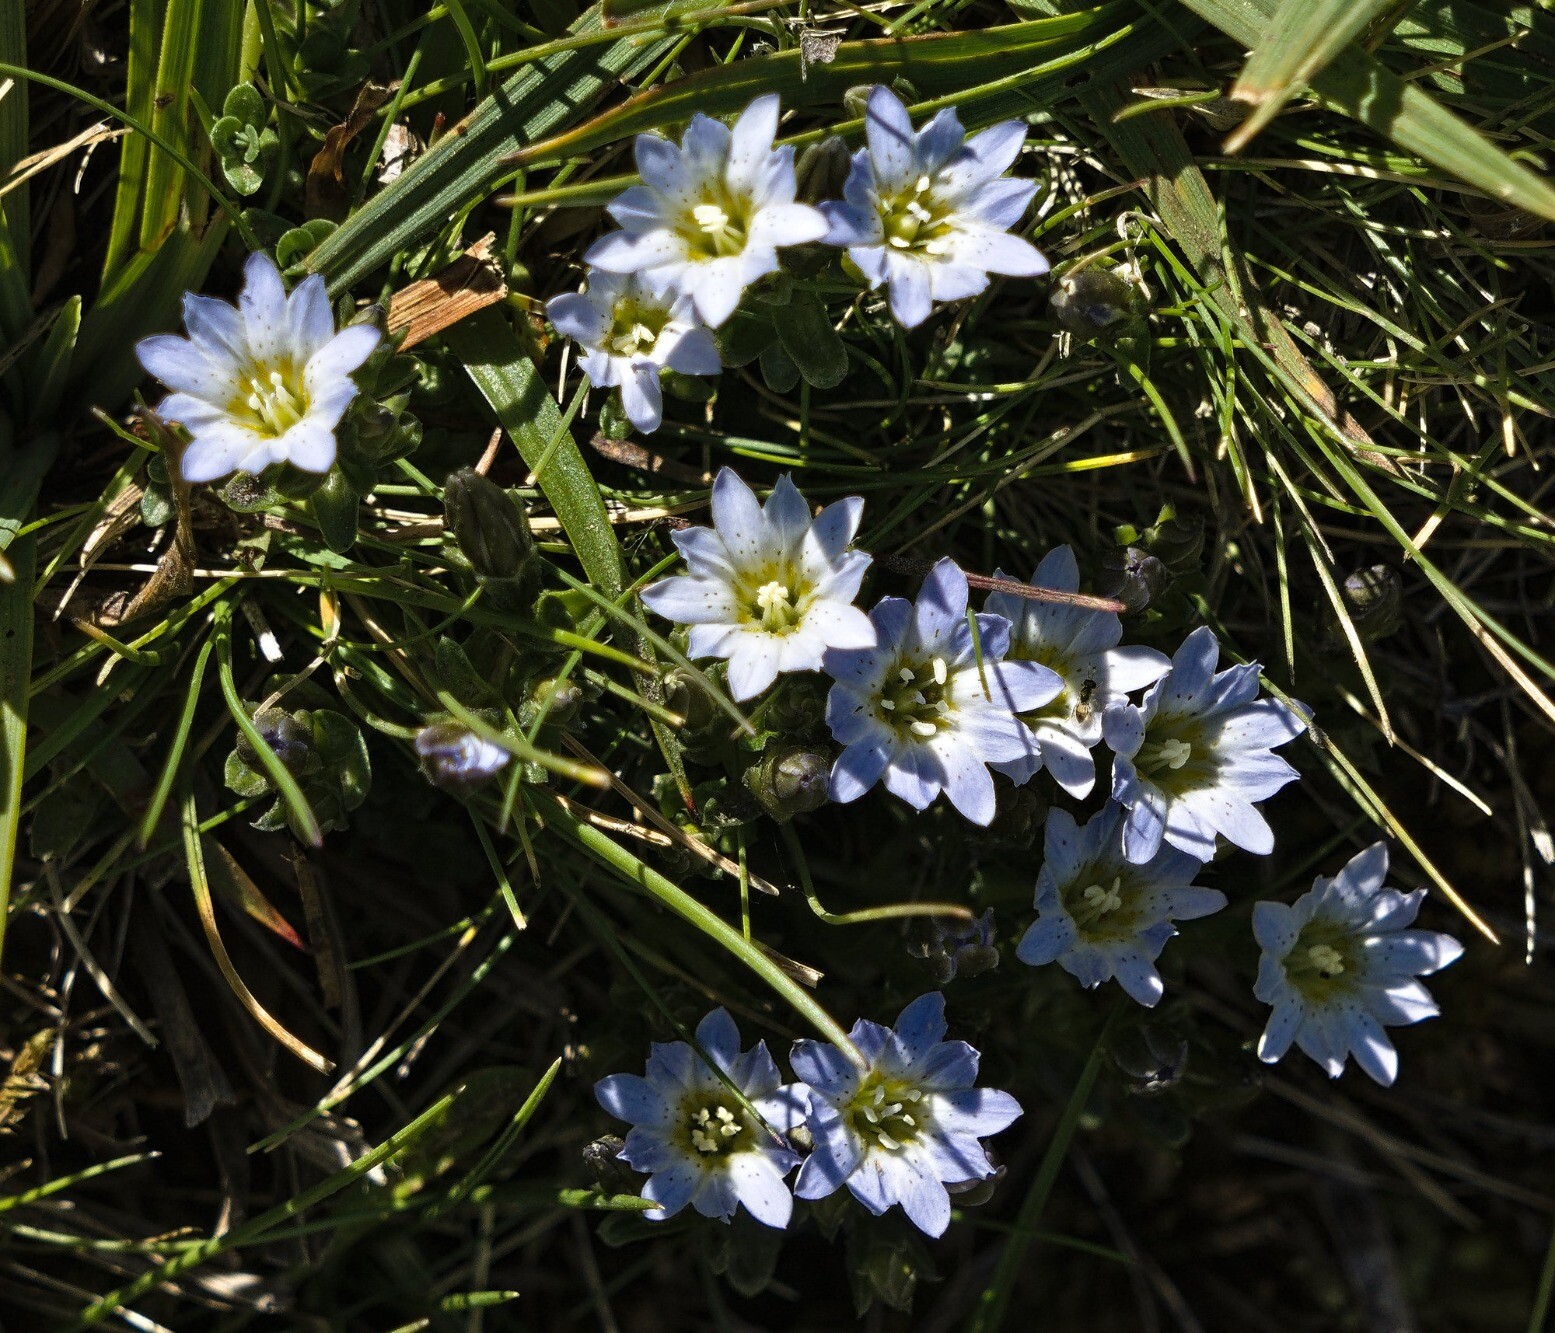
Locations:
{"points": [[932, 705], [928, 213], [694, 1137], [711, 214], [1101, 917], [906, 1125], [1193, 758], [264, 382], [1339, 966], [1083, 647], [770, 588], [631, 326]]}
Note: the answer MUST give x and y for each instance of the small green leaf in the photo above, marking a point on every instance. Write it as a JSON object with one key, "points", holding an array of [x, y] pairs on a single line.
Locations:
{"points": [[245, 104], [300, 242], [242, 779], [778, 368], [806, 333], [335, 507]]}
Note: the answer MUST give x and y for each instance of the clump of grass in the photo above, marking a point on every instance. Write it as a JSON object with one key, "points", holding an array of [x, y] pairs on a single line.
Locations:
{"points": [[301, 1076]]}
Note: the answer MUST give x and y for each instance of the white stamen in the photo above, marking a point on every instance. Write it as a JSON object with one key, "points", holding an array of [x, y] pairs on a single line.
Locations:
{"points": [[710, 218], [924, 729], [941, 672]]}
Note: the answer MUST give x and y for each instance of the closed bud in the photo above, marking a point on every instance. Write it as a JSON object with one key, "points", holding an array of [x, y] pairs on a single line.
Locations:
{"points": [[1177, 542], [1019, 812], [975, 1193], [684, 695], [457, 759], [821, 170], [558, 700], [1134, 576], [289, 737], [1094, 302], [952, 948], [1151, 1056], [790, 780], [887, 1267], [611, 1174], [1374, 597], [487, 526]]}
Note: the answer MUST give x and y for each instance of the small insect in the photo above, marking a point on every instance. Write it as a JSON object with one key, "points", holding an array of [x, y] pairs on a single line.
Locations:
{"points": [[1082, 710]]}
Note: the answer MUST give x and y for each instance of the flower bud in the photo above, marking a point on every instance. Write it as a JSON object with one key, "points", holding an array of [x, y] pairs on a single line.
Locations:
{"points": [[1151, 1056], [561, 700], [488, 527], [1374, 597], [611, 1174], [821, 170], [1177, 543], [1134, 576], [975, 1193], [952, 948], [1094, 302], [887, 1267], [684, 695], [457, 759], [790, 780], [291, 739], [1019, 812]]}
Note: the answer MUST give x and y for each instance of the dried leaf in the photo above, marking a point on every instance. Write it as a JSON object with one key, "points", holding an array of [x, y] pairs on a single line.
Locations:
{"points": [[327, 195], [472, 282]]}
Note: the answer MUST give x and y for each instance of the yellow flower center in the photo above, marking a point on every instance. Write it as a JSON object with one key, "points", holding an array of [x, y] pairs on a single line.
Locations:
{"points": [[915, 220], [713, 1128], [273, 403], [1170, 754], [915, 701], [887, 1113], [717, 228]]}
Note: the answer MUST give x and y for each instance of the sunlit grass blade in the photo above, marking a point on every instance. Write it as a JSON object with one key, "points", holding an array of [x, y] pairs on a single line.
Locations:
{"points": [[1304, 37], [1363, 88], [200, 885], [647, 880]]}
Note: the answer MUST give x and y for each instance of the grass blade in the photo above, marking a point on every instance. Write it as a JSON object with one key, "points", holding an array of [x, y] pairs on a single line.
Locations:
{"points": [[1305, 36], [1363, 88]]}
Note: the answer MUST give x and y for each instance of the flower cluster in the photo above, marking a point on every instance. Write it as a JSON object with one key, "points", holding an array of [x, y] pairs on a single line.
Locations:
{"points": [[712, 1125], [927, 214], [929, 697]]}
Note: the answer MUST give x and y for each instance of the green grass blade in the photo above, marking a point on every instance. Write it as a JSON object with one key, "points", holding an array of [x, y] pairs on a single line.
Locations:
{"points": [[15, 223], [610, 853], [1361, 87], [1305, 36], [938, 63], [464, 166], [134, 149], [23, 474], [499, 365]]}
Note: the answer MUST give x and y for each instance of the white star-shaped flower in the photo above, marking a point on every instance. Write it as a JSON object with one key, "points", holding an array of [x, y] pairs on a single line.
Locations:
{"points": [[928, 213], [1339, 966], [264, 382], [906, 1125], [631, 326], [697, 1140], [1083, 647], [711, 214], [932, 705], [1193, 757], [768, 587], [1099, 916]]}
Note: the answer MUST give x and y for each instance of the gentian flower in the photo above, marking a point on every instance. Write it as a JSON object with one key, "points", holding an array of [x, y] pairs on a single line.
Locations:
{"points": [[902, 1128], [630, 327], [692, 1134], [710, 215], [929, 708], [1101, 917], [265, 382], [1339, 966], [1190, 761], [769, 588], [1082, 646], [929, 213]]}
